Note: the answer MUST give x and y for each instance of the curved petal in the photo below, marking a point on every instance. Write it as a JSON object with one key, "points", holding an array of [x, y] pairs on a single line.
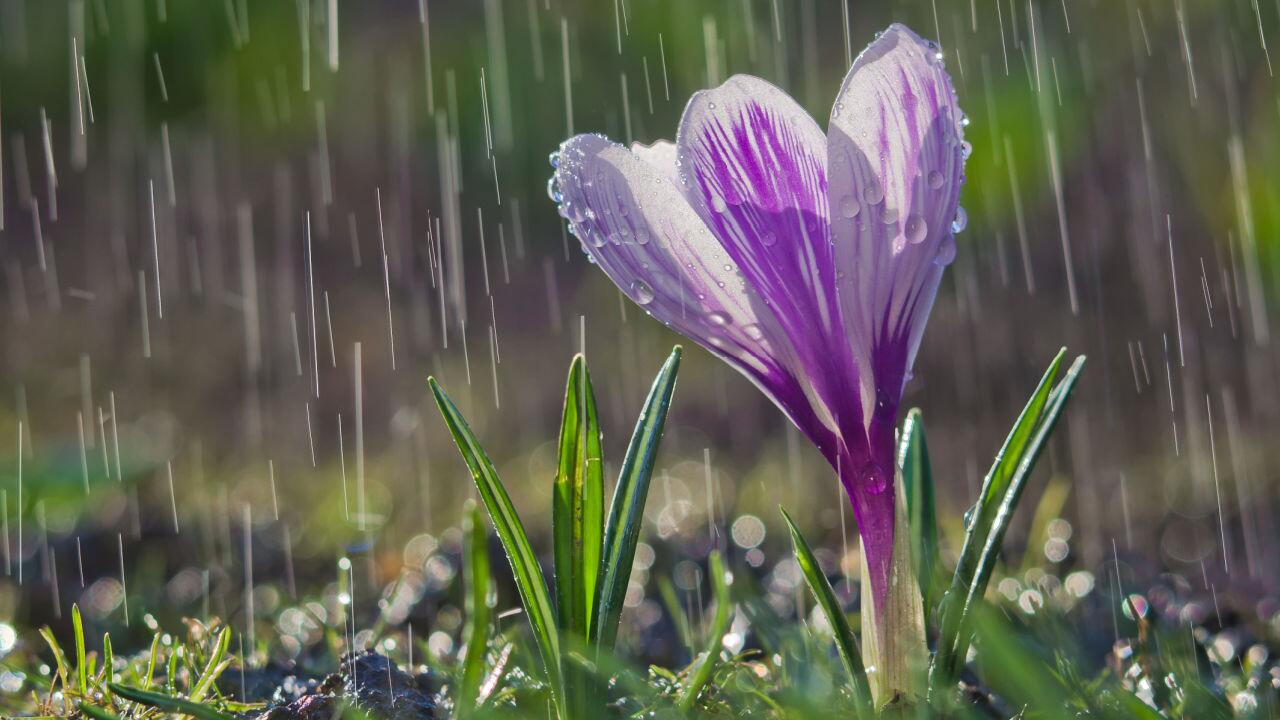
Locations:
{"points": [[661, 155], [895, 163], [637, 226], [753, 166]]}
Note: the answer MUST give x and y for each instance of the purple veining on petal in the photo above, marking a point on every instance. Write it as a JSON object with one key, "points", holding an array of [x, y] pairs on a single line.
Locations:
{"points": [[753, 164], [680, 274]]}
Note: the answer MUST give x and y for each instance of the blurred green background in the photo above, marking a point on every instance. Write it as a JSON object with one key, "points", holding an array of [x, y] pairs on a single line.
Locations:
{"points": [[305, 177]]}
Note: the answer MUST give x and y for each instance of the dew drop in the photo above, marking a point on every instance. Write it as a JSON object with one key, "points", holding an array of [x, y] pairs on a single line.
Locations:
{"points": [[849, 206], [718, 204], [769, 238], [719, 318], [873, 193], [915, 228], [553, 189], [890, 216], [641, 292], [964, 120], [554, 159], [966, 149], [961, 222], [753, 331], [946, 251], [935, 179], [642, 237], [873, 478]]}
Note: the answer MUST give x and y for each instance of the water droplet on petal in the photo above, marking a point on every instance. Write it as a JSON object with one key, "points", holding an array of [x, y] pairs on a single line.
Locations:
{"points": [[946, 251], [554, 159], [916, 228], [873, 193], [966, 149], [719, 318], [718, 203], [553, 189], [935, 179], [642, 236], [964, 120], [596, 238], [849, 206], [753, 331], [769, 238], [873, 478], [890, 216], [641, 292], [961, 222]]}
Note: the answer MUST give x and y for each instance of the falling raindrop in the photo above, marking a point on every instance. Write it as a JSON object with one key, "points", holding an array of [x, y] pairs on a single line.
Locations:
{"points": [[641, 292]]}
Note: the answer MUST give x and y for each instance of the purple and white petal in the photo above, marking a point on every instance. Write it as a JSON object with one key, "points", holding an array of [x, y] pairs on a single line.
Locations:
{"points": [[896, 158], [753, 166], [895, 164], [638, 227]]}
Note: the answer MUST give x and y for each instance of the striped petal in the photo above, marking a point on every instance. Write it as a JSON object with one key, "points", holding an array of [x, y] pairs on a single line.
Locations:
{"points": [[754, 167], [635, 223], [895, 165]]}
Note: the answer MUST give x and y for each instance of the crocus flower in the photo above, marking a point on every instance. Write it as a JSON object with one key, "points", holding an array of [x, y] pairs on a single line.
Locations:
{"points": [[807, 260]]}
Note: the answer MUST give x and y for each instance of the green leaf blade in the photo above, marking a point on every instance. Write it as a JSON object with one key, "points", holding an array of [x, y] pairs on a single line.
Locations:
{"points": [[515, 541], [922, 516], [626, 512], [820, 587], [578, 504], [478, 614]]}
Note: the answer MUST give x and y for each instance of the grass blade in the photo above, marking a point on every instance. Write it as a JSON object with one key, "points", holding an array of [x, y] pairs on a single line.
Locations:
{"points": [[719, 626], [922, 517], [168, 703], [213, 668], [846, 645], [82, 668], [978, 523], [1004, 515], [96, 713], [578, 504], [477, 607], [524, 563], [626, 513], [60, 658]]}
